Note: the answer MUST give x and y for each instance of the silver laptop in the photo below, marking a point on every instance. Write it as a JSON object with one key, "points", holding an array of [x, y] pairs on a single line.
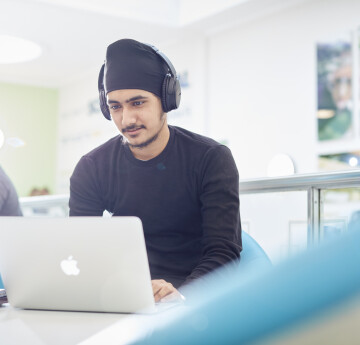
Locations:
{"points": [[79, 264]]}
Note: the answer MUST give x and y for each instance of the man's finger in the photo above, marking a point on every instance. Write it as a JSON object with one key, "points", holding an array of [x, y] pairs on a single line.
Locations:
{"points": [[164, 291], [157, 285], [161, 288]]}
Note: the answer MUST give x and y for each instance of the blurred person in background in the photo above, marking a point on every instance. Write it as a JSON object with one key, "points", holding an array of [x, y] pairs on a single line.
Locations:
{"points": [[9, 201]]}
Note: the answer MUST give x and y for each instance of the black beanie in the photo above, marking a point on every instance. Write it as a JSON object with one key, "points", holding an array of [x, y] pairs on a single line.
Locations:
{"points": [[133, 65]]}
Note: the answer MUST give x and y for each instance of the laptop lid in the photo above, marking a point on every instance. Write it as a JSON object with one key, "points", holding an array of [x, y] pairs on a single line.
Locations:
{"points": [[80, 264]]}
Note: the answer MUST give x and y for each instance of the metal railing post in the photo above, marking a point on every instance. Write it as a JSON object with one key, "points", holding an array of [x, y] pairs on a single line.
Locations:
{"points": [[314, 213]]}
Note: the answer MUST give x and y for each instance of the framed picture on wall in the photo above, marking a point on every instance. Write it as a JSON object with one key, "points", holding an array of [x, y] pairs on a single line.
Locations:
{"points": [[335, 88]]}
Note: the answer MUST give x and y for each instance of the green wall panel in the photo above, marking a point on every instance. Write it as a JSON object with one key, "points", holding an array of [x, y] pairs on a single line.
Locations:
{"points": [[29, 113]]}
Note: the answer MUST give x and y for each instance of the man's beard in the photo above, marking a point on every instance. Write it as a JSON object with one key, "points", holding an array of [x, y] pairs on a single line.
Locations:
{"points": [[150, 140]]}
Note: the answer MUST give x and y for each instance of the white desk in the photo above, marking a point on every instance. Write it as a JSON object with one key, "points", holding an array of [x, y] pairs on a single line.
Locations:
{"points": [[36, 327], [33, 327]]}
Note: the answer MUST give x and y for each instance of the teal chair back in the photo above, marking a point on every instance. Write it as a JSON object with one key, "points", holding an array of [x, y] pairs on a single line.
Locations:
{"points": [[252, 253]]}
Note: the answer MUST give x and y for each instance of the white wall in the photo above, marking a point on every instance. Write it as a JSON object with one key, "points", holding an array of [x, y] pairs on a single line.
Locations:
{"points": [[262, 84], [189, 56]]}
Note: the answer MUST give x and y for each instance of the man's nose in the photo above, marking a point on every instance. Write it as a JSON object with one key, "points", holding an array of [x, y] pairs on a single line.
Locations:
{"points": [[128, 117]]}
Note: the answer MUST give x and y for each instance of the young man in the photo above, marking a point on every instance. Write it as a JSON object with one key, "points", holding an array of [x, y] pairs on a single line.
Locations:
{"points": [[183, 186]]}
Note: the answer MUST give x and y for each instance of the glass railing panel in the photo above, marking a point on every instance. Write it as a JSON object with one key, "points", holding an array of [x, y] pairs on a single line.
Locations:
{"points": [[340, 211], [53, 206], [277, 221]]}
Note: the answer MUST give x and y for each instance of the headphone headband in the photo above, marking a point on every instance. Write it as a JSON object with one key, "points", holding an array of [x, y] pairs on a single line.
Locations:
{"points": [[164, 58]]}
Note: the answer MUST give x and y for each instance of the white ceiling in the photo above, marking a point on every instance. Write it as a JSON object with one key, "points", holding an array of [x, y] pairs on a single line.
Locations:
{"points": [[75, 33]]}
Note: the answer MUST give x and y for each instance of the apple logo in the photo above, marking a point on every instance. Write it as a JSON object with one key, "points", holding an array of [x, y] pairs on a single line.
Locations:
{"points": [[69, 266]]}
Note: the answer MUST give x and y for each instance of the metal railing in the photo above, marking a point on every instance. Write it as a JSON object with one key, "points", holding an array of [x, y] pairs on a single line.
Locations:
{"points": [[38, 205], [312, 184]]}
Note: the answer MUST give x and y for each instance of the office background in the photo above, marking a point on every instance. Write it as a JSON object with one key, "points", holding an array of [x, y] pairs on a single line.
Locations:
{"points": [[248, 73], [249, 76]]}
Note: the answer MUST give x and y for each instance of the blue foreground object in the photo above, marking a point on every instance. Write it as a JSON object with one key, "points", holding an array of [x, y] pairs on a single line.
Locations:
{"points": [[240, 307]]}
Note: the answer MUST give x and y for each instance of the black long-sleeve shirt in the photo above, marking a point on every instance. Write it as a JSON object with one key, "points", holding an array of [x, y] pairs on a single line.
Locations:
{"points": [[187, 199]]}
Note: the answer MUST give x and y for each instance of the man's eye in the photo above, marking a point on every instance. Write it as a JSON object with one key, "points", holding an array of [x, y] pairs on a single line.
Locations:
{"points": [[114, 107], [137, 103]]}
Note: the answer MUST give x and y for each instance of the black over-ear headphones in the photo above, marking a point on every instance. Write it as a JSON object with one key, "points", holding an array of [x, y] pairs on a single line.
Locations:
{"points": [[171, 90]]}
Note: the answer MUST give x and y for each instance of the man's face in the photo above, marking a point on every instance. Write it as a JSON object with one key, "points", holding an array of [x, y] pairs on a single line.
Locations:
{"points": [[138, 115]]}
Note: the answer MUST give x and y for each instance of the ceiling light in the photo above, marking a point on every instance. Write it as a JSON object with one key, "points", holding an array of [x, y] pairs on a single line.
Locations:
{"points": [[15, 49]]}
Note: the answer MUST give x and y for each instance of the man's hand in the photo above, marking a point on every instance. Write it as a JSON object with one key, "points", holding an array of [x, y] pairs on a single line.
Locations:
{"points": [[165, 292]]}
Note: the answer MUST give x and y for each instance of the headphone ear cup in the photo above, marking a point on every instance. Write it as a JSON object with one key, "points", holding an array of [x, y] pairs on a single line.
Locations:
{"points": [[102, 96], [103, 105], [171, 93], [164, 94], [177, 93]]}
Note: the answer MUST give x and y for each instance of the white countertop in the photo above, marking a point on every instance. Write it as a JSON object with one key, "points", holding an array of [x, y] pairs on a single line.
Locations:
{"points": [[39, 327]]}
